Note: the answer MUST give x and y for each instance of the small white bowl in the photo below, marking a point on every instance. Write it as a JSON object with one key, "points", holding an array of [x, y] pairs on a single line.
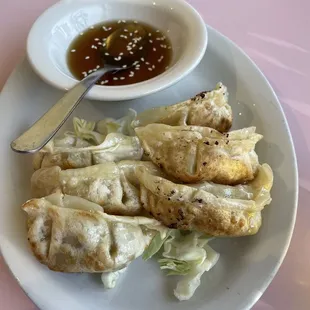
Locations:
{"points": [[55, 29]]}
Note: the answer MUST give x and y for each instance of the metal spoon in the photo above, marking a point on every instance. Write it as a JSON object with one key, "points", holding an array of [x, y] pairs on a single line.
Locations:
{"points": [[44, 129]]}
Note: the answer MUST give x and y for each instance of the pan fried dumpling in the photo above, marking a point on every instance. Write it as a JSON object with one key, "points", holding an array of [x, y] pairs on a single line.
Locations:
{"points": [[70, 234], [209, 108], [110, 185], [218, 210], [192, 153], [74, 152]]}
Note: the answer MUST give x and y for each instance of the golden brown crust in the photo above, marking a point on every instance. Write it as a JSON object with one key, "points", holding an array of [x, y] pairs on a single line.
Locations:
{"points": [[208, 108], [72, 240], [201, 216], [213, 209], [192, 154]]}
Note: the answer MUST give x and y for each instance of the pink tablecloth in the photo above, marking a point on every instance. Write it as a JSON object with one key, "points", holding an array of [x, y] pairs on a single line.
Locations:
{"points": [[275, 33]]}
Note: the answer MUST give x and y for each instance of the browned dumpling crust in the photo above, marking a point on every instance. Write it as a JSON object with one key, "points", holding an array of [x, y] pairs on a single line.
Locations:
{"points": [[213, 209], [208, 108], [192, 153], [69, 234]]}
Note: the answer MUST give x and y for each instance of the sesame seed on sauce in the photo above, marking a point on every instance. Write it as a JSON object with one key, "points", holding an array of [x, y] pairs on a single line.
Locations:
{"points": [[86, 54]]}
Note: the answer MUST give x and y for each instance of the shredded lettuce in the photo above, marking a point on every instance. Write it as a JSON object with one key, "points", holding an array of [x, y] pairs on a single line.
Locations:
{"points": [[184, 254], [86, 130], [155, 245], [122, 125]]}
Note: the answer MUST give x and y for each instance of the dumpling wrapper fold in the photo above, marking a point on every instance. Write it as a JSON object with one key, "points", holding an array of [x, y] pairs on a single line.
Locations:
{"points": [[217, 210], [208, 108], [71, 234], [73, 152], [193, 154], [113, 186]]}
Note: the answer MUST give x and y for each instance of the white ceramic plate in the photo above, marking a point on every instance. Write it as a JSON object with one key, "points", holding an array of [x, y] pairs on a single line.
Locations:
{"points": [[246, 266]]}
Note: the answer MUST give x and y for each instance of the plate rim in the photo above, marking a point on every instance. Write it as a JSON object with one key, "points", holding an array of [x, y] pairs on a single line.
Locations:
{"points": [[290, 229]]}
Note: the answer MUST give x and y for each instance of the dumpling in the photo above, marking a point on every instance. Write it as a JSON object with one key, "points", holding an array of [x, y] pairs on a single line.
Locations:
{"points": [[110, 185], [218, 210], [70, 234], [209, 108], [192, 153], [74, 152]]}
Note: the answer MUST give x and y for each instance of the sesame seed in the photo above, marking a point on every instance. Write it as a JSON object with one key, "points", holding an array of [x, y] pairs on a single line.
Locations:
{"points": [[153, 67], [128, 48], [150, 69], [154, 49], [131, 53], [110, 28], [150, 34], [125, 30], [118, 58], [72, 51], [84, 73], [121, 54], [136, 31], [90, 71], [107, 54], [169, 47], [104, 39], [140, 48], [119, 21], [137, 68], [130, 43], [99, 43], [81, 33], [123, 36], [97, 67], [130, 34], [240, 113], [115, 78], [157, 30], [147, 63], [163, 45], [94, 47], [151, 41], [122, 78], [166, 67], [92, 27], [124, 66], [97, 39], [135, 22], [102, 82], [102, 44], [123, 21], [135, 63], [142, 59], [87, 57]]}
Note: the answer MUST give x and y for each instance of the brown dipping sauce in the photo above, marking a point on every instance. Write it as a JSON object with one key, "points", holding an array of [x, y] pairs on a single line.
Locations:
{"points": [[86, 53]]}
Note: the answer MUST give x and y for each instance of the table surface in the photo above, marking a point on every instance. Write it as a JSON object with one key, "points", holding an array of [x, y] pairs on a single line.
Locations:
{"points": [[275, 34]]}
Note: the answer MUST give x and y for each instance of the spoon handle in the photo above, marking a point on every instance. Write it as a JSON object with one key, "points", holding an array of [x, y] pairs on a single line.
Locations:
{"points": [[43, 130]]}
